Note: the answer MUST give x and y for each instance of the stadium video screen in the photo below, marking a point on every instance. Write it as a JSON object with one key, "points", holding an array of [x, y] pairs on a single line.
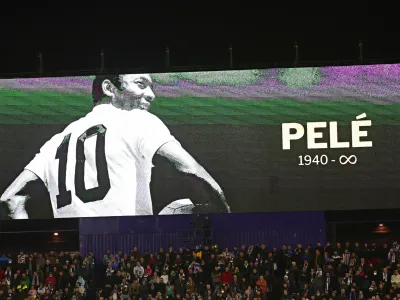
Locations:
{"points": [[200, 142]]}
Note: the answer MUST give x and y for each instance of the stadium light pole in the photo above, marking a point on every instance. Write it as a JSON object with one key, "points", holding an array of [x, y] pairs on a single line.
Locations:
{"points": [[41, 68], [167, 63], [296, 53], [361, 49], [230, 56], [102, 61]]}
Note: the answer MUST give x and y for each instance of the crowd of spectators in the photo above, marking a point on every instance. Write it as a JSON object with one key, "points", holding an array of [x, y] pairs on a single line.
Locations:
{"points": [[341, 271], [50, 276]]}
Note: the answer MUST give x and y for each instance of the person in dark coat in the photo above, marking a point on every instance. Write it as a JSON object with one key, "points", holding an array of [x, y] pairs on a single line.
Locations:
{"points": [[179, 287]]}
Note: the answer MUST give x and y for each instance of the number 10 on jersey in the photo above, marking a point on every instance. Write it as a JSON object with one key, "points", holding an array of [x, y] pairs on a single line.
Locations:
{"points": [[98, 193]]}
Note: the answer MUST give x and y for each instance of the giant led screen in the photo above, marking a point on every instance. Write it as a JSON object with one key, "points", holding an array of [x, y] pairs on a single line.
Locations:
{"points": [[200, 142]]}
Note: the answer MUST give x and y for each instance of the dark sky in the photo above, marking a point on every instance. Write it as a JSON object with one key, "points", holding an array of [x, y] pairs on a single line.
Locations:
{"points": [[71, 37]]}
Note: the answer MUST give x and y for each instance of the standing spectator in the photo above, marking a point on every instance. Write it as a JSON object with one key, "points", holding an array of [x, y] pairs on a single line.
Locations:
{"points": [[395, 280], [190, 286], [25, 280], [107, 258], [134, 288], [47, 295], [31, 265], [41, 289], [216, 277], [50, 280], [169, 290], [226, 276], [40, 261], [148, 272], [164, 276], [262, 284], [35, 279], [318, 259], [179, 285], [318, 283]]}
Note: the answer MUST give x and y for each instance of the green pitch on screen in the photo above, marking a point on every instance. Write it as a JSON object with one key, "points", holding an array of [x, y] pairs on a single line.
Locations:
{"points": [[20, 107]]}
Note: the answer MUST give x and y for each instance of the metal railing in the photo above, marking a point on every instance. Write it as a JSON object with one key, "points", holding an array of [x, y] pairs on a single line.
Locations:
{"points": [[168, 67], [192, 68]]}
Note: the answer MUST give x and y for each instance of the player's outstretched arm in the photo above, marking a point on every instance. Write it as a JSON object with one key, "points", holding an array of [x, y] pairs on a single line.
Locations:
{"points": [[205, 187], [14, 195]]}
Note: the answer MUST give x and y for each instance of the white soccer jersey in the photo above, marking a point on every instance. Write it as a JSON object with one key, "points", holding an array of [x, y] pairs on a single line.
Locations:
{"points": [[100, 165]]}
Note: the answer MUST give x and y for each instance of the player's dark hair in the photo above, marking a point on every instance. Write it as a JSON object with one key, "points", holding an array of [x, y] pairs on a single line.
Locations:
{"points": [[97, 89]]}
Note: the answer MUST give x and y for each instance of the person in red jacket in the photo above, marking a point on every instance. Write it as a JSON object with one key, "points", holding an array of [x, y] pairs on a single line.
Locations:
{"points": [[261, 283], [148, 272], [227, 276], [151, 260], [50, 280]]}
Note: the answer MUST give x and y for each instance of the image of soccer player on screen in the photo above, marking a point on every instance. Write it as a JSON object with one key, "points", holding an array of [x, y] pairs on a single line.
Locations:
{"points": [[101, 164]]}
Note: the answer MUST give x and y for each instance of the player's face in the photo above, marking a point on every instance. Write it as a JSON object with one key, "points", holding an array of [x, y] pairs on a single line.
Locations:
{"points": [[137, 92]]}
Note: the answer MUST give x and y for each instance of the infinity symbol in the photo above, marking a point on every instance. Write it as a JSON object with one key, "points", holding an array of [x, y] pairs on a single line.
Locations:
{"points": [[344, 160]]}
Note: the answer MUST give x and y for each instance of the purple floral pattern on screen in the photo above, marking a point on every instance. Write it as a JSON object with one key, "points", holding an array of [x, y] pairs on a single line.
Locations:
{"points": [[377, 83]]}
